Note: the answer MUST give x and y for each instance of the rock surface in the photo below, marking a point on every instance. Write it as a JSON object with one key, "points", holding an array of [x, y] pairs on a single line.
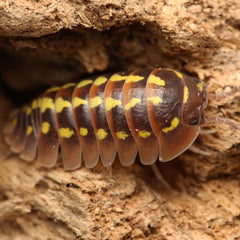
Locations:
{"points": [[44, 43]]}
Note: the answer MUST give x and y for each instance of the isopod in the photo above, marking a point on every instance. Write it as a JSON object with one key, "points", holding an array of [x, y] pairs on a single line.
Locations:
{"points": [[158, 113]]}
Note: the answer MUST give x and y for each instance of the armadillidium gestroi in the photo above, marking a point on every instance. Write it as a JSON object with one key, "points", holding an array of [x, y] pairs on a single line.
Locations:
{"points": [[156, 112]]}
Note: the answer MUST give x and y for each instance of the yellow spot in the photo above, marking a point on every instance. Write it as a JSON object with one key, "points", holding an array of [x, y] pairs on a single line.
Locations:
{"points": [[134, 78], [186, 94], [34, 104], [101, 134], [83, 131], [111, 103], [156, 80], [53, 89], [174, 124], [122, 135], [66, 132], [100, 80], [200, 86], [61, 104], [84, 83], [94, 102], [29, 130], [14, 121], [45, 127], [28, 110], [39, 102], [78, 101], [176, 72], [116, 77], [132, 103], [155, 100], [47, 103], [68, 85], [144, 134]]}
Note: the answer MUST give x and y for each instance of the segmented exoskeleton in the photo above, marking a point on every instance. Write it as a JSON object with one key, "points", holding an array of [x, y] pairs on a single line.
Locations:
{"points": [[156, 112]]}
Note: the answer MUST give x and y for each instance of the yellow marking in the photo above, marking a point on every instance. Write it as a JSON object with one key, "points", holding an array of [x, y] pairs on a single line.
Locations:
{"points": [[100, 80], [122, 135], [186, 94], [94, 102], [200, 86], [34, 104], [156, 80], [52, 89], [61, 104], [111, 103], [134, 78], [78, 101], [28, 110], [29, 130], [84, 83], [47, 103], [155, 100], [14, 121], [176, 72], [65, 86], [174, 124], [144, 134], [66, 132], [39, 102], [101, 134], [132, 103], [45, 127], [116, 77], [83, 131]]}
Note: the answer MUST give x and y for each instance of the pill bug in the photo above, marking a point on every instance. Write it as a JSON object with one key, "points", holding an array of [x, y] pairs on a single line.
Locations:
{"points": [[157, 113]]}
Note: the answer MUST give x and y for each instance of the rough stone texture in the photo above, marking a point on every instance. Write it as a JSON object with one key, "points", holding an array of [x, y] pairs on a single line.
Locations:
{"points": [[45, 43]]}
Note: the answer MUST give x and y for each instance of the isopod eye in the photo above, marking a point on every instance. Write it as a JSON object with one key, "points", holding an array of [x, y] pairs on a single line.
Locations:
{"points": [[193, 121]]}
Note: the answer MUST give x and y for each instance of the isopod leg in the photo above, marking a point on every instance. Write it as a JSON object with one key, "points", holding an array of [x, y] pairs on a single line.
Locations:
{"points": [[159, 176], [199, 151]]}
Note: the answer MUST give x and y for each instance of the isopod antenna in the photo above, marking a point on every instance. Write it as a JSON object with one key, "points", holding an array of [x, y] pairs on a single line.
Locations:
{"points": [[225, 121]]}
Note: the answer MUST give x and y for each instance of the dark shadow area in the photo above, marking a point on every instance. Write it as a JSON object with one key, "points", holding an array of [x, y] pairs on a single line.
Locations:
{"points": [[30, 65]]}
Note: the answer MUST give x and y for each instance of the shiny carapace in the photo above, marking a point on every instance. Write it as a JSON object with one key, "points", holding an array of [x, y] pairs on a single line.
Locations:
{"points": [[157, 113]]}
